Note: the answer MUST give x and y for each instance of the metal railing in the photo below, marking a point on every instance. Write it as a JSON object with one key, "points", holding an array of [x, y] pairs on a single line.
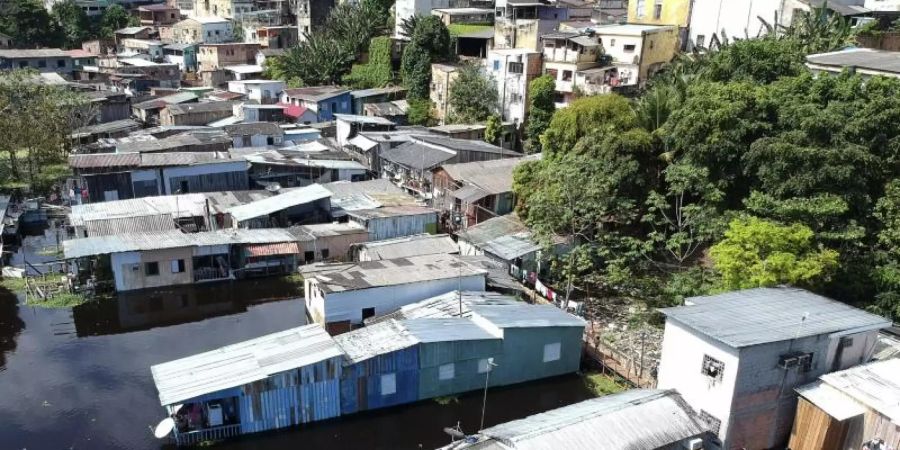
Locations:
{"points": [[207, 434]]}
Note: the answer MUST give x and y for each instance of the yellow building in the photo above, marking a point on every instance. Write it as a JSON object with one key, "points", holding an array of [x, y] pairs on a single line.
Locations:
{"points": [[442, 75], [660, 12]]}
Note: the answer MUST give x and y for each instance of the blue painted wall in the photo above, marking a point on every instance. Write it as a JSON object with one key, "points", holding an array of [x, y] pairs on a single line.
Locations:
{"points": [[523, 354], [464, 355], [340, 104], [361, 382]]}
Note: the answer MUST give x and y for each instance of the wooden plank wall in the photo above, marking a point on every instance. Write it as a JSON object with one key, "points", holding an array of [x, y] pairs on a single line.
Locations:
{"points": [[816, 430]]}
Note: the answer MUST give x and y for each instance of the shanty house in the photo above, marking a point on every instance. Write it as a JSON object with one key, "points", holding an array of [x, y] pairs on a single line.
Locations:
{"points": [[255, 134], [342, 295], [737, 357], [381, 367], [262, 91], [308, 204], [348, 126], [504, 239], [395, 221], [634, 419], [853, 408], [325, 101], [147, 260], [274, 381], [328, 241], [405, 247], [291, 168], [195, 113]]}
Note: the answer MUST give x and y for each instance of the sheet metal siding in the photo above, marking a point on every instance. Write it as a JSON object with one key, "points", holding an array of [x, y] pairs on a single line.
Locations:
{"points": [[303, 395], [464, 355], [361, 382], [465, 378], [393, 227], [213, 182], [523, 352], [100, 183]]}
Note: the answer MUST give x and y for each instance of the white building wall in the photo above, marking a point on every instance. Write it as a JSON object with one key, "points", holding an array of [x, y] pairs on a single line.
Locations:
{"points": [[883, 5], [615, 45], [739, 18], [511, 87], [404, 9], [122, 262], [210, 35], [348, 305], [680, 365]]}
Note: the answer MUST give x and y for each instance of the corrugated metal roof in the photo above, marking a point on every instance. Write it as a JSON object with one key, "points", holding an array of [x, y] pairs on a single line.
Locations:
{"points": [[100, 160], [862, 58], [367, 342], [875, 385], [405, 247], [417, 156], [391, 211], [315, 93], [504, 236], [446, 305], [634, 419], [310, 232], [831, 400], [242, 363], [339, 277], [183, 205], [446, 329], [470, 145], [524, 315], [763, 315], [369, 120], [493, 177], [278, 248], [266, 206], [135, 224], [351, 196], [469, 193], [101, 245]]}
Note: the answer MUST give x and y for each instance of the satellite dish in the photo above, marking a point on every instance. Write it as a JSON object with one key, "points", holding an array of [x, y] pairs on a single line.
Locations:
{"points": [[454, 433], [164, 428]]}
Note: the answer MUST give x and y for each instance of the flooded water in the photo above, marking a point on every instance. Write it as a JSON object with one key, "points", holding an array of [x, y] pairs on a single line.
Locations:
{"points": [[80, 378]]}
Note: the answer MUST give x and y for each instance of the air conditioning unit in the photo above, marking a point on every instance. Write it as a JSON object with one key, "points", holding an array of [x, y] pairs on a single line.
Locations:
{"points": [[694, 444], [135, 267], [788, 362]]}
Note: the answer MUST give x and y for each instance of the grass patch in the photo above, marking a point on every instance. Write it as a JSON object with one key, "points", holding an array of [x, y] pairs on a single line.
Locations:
{"points": [[601, 384], [11, 284], [446, 400], [63, 300], [51, 250], [463, 29], [58, 300]]}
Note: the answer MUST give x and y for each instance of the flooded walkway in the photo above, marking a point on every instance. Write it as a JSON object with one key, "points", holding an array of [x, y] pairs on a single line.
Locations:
{"points": [[80, 377]]}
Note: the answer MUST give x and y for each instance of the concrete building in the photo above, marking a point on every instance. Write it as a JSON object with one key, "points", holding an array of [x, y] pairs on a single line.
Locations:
{"points": [[203, 30], [638, 51], [311, 15], [325, 101], [328, 241], [211, 57], [442, 76], [185, 55], [272, 37], [43, 60], [158, 14], [263, 91], [406, 9], [864, 62], [340, 296], [255, 134], [149, 49], [853, 408], [512, 70], [521, 24], [634, 419], [737, 357], [678, 13], [574, 60]]}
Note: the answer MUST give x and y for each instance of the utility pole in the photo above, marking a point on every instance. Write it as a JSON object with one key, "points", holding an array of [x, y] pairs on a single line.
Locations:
{"points": [[487, 377]]}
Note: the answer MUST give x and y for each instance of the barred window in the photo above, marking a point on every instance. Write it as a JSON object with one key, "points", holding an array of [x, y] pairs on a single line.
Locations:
{"points": [[712, 367]]}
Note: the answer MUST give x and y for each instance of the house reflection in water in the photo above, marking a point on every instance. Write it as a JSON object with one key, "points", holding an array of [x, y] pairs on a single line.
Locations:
{"points": [[145, 309]]}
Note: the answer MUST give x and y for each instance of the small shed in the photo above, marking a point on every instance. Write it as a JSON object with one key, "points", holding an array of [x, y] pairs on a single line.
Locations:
{"points": [[395, 221], [405, 247], [274, 381], [307, 204]]}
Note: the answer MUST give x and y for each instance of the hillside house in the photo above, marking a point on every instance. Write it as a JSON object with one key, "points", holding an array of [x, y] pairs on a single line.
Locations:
{"points": [[325, 101]]}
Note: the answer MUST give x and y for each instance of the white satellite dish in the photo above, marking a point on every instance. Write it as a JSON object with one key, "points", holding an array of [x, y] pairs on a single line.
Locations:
{"points": [[164, 428]]}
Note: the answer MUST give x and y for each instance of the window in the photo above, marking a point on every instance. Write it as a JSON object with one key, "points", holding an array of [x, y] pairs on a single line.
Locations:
{"points": [[612, 42], [484, 365], [567, 75], [551, 352], [334, 106], [657, 9], [446, 372], [712, 367], [639, 8], [389, 384], [23, 64], [309, 256], [714, 424], [551, 72], [151, 269], [368, 312], [324, 253], [42, 63], [177, 266], [60, 63], [183, 187], [217, 32], [701, 40], [515, 67], [496, 65], [629, 48]]}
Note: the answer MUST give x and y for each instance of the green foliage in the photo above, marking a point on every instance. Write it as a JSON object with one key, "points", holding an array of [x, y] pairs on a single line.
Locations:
{"points": [[601, 384], [419, 112], [115, 18], [377, 72], [887, 269], [415, 68], [432, 35], [29, 24], [540, 109], [758, 252], [603, 113], [473, 95], [462, 29], [73, 22], [756, 61], [493, 130]]}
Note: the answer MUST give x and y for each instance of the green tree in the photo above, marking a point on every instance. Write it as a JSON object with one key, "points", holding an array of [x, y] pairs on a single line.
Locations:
{"points": [[887, 269], [493, 130], [29, 24], [73, 22], [584, 115], [431, 34], [473, 95], [757, 252], [415, 68], [756, 61], [419, 112], [377, 72], [115, 18], [540, 109]]}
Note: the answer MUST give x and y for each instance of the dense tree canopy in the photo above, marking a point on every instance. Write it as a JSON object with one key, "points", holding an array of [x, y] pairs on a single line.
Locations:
{"points": [[540, 109], [473, 95]]}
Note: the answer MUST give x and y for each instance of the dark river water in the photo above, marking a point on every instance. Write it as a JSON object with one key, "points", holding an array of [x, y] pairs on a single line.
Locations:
{"points": [[79, 378]]}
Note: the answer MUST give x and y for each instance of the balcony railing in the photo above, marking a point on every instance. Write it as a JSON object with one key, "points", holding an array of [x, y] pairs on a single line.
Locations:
{"points": [[207, 434]]}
